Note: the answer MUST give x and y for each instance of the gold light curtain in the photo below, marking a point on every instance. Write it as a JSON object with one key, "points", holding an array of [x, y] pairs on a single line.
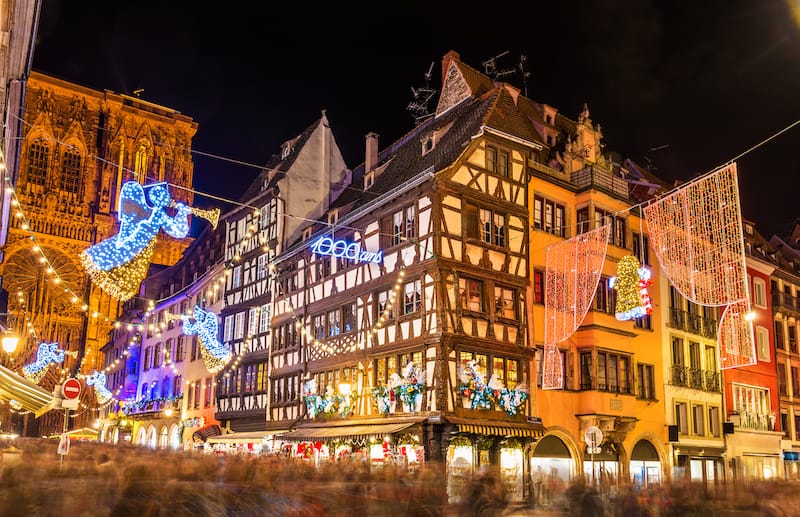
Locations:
{"points": [[573, 270], [697, 236]]}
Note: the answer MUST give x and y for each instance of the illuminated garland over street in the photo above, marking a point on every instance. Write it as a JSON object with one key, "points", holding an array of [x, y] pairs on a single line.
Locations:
{"points": [[47, 354], [631, 283], [215, 354], [118, 264]]}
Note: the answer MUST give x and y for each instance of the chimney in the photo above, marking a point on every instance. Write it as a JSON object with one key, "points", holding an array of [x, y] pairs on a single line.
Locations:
{"points": [[371, 159]]}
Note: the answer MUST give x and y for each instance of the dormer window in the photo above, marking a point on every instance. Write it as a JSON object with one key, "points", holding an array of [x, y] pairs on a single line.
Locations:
{"points": [[306, 234], [748, 229], [333, 217], [427, 145]]}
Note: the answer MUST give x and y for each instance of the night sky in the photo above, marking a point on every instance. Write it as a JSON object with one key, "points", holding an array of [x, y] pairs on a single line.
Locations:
{"points": [[683, 85]]}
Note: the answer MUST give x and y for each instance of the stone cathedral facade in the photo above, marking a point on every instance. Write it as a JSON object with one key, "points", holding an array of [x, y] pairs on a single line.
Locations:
{"points": [[77, 147]]}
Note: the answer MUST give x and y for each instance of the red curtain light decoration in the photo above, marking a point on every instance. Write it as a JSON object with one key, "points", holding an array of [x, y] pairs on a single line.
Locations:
{"points": [[573, 270], [697, 236], [631, 283]]}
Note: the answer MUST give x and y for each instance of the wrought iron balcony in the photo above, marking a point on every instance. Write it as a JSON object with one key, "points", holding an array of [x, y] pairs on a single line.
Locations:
{"points": [[602, 179], [785, 302]]}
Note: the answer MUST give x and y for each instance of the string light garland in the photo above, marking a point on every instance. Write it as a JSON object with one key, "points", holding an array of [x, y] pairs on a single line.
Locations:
{"points": [[631, 283]]}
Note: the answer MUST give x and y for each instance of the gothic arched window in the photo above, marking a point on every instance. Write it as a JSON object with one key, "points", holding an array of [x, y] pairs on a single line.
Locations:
{"points": [[71, 171], [38, 162], [140, 164]]}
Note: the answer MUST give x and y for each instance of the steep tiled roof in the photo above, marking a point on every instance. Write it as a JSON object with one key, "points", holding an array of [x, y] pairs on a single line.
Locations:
{"points": [[276, 166], [404, 159]]}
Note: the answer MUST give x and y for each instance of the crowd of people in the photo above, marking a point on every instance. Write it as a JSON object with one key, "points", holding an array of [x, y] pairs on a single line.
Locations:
{"points": [[103, 480]]}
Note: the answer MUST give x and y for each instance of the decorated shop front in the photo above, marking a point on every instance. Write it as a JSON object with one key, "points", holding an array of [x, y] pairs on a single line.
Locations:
{"points": [[479, 446], [380, 441], [247, 442]]}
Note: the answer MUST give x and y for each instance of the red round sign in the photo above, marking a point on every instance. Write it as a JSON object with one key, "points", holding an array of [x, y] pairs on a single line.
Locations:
{"points": [[71, 388]]}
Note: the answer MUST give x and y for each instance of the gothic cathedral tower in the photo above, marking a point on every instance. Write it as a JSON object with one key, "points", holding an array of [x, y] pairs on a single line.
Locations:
{"points": [[77, 147]]}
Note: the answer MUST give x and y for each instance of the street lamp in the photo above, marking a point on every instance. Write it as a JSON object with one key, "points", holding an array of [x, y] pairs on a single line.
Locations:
{"points": [[9, 340]]}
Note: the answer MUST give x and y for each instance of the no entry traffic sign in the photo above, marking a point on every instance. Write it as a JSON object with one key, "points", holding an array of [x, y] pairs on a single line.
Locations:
{"points": [[71, 388]]}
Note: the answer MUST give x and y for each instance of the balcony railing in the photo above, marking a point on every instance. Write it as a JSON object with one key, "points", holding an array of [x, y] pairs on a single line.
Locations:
{"points": [[786, 302], [694, 378], [596, 177], [756, 421], [680, 319]]}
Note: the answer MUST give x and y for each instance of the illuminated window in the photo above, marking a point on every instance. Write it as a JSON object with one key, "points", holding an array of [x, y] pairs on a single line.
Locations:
{"points": [[252, 321], [227, 329], [759, 292], [412, 297], [504, 302], [264, 315], [386, 302], [404, 225], [238, 329], [471, 294], [762, 344], [334, 322], [548, 215]]}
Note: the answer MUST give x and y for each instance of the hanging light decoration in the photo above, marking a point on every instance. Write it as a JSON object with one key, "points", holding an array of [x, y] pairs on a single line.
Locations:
{"points": [[215, 354], [631, 283], [119, 264]]}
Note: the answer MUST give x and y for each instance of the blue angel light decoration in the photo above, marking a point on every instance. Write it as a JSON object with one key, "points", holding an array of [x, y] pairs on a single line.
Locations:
{"points": [[215, 354], [98, 381], [47, 354], [118, 264]]}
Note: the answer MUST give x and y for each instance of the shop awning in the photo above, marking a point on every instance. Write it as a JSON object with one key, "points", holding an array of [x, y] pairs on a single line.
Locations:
{"points": [[86, 433], [243, 437], [28, 394], [204, 433], [345, 431], [527, 430]]}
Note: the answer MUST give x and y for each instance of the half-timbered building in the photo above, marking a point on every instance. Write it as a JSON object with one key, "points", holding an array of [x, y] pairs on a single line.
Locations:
{"points": [[401, 314], [296, 186]]}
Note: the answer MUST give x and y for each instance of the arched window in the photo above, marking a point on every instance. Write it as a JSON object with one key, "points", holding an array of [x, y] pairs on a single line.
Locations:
{"points": [[71, 171], [140, 165], [38, 162]]}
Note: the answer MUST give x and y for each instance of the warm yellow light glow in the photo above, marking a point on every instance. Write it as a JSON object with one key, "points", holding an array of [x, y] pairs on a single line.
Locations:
{"points": [[750, 316], [9, 341]]}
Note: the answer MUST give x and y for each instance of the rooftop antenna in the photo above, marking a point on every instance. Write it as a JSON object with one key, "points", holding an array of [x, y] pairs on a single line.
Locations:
{"points": [[422, 96], [649, 160], [490, 67], [523, 70]]}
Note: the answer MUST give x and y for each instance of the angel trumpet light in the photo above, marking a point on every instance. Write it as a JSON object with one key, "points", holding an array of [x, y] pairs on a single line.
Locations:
{"points": [[211, 215]]}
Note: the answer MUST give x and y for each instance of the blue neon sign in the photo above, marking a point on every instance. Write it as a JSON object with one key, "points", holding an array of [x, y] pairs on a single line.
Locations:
{"points": [[348, 250]]}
